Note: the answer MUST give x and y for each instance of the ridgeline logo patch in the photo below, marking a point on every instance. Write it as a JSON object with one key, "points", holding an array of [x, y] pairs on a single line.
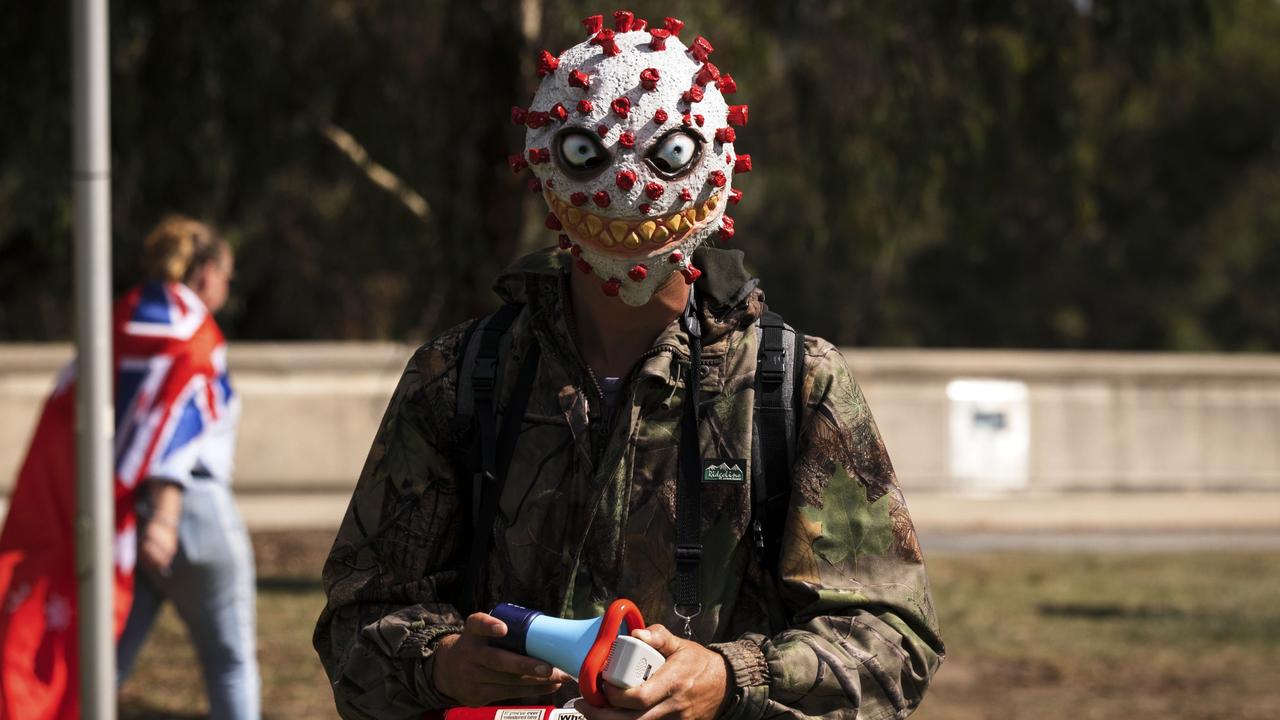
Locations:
{"points": [[723, 470]]}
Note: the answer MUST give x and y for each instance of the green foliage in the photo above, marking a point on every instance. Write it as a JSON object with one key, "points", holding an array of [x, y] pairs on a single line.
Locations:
{"points": [[1029, 173]]}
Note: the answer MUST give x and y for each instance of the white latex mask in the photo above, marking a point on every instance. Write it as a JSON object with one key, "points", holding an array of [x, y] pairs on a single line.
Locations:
{"points": [[631, 141]]}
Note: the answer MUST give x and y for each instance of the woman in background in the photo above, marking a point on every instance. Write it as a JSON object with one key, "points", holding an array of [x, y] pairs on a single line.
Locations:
{"points": [[176, 417], [192, 545]]}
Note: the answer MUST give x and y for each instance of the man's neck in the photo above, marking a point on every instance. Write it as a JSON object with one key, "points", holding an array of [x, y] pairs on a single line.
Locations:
{"points": [[612, 334]]}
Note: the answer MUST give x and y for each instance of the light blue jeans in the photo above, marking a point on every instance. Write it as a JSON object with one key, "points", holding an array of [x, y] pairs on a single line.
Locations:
{"points": [[211, 585]]}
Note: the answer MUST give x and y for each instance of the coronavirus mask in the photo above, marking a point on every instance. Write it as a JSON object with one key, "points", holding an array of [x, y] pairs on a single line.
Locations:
{"points": [[631, 142]]}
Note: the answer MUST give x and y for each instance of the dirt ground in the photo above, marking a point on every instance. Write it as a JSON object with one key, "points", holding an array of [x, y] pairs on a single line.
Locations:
{"points": [[1046, 636]]}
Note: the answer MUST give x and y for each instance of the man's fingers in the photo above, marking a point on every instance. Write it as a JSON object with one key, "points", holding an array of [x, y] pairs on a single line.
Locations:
{"points": [[643, 696], [499, 691], [591, 712], [484, 625], [659, 638], [514, 664]]}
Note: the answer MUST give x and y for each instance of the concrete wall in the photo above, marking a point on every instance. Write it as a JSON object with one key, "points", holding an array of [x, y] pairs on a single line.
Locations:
{"points": [[1093, 421]]}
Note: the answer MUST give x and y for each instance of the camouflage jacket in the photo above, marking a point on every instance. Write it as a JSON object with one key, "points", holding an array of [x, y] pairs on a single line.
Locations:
{"points": [[587, 516]]}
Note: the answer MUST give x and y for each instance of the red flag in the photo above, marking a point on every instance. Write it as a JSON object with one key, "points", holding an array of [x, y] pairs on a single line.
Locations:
{"points": [[170, 381]]}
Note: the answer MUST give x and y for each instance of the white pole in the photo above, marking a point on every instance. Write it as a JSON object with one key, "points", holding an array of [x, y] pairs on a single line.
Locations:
{"points": [[95, 512]]}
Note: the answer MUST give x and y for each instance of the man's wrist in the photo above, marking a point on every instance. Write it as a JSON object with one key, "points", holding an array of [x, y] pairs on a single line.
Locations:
{"points": [[745, 667], [438, 695]]}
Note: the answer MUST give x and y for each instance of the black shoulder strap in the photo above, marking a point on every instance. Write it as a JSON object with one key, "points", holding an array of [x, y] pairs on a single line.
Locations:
{"points": [[779, 384], [688, 555], [477, 392]]}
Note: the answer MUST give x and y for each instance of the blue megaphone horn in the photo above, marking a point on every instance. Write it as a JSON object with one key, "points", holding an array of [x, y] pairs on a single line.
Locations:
{"points": [[587, 649]]}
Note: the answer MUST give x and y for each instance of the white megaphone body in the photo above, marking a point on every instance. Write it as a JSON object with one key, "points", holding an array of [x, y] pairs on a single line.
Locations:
{"points": [[589, 649]]}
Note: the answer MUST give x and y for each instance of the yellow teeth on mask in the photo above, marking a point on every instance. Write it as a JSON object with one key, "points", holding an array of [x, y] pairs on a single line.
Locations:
{"points": [[609, 233], [619, 230]]}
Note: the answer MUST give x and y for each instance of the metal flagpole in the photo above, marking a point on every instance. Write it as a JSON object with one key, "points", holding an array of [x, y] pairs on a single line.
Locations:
{"points": [[95, 511]]}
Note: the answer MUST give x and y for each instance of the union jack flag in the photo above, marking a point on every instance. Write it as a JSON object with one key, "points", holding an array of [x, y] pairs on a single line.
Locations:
{"points": [[171, 386]]}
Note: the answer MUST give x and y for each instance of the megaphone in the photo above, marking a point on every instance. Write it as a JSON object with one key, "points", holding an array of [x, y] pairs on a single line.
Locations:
{"points": [[589, 649]]}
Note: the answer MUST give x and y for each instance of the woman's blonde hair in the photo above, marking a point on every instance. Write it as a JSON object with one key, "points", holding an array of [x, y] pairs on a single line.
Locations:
{"points": [[177, 247]]}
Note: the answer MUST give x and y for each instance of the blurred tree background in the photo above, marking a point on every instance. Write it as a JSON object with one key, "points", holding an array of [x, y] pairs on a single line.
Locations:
{"points": [[1024, 173]]}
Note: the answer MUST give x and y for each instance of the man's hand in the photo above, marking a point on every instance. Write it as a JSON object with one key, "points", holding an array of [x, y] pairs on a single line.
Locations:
{"points": [[468, 670], [690, 685], [159, 544]]}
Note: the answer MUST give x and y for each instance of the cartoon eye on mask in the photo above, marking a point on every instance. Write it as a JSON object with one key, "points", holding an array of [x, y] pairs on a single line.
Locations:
{"points": [[581, 154], [675, 154]]}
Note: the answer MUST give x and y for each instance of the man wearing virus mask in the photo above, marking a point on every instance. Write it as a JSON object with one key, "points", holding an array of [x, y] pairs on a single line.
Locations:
{"points": [[633, 423]]}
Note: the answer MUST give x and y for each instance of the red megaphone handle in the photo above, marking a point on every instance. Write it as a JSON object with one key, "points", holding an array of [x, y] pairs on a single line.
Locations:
{"points": [[589, 675]]}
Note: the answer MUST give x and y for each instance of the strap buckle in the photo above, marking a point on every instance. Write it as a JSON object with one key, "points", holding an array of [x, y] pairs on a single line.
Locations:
{"points": [[484, 375], [688, 555], [773, 365]]}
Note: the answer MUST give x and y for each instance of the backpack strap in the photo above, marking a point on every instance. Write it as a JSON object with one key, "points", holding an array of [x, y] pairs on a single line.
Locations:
{"points": [[489, 342], [778, 390]]}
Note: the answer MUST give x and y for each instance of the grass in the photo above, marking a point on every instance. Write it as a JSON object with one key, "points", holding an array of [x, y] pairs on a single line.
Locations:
{"points": [[1029, 636]]}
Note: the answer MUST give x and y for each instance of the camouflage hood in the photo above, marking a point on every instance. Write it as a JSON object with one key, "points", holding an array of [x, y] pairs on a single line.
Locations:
{"points": [[730, 296]]}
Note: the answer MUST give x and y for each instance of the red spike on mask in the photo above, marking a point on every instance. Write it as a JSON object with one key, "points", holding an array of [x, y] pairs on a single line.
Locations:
{"points": [[627, 139], [593, 24], [621, 107], [605, 40], [553, 222], [536, 119], [653, 190], [558, 113], [708, 73], [649, 78], [517, 163], [675, 258], [611, 287], [658, 38], [623, 20], [601, 198], [584, 266], [691, 274], [673, 25], [692, 95], [537, 156], [700, 49], [644, 208], [717, 178], [585, 107], [727, 85], [602, 130], [578, 198], [638, 273], [742, 164], [518, 115], [726, 135], [659, 116], [626, 179], [547, 63], [564, 242], [686, 195], [738, 115], [699, 120], [726, 228], [735, 196], [639, 25], [686, 120], [578, 79]]}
